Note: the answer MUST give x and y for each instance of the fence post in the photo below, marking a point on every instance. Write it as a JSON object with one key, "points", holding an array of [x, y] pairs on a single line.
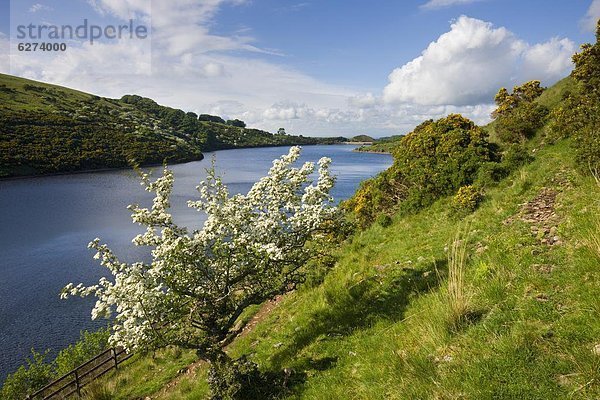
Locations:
{"points": [[114, 353], [77, 386]]}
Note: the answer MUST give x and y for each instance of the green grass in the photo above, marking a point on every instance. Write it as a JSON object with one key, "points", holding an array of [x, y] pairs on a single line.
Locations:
{"points": [[17, 96], [552, 96], [378, 327]]}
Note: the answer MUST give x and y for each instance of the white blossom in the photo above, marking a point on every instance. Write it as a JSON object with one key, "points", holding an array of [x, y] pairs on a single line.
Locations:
{"points": [[250, 248]]}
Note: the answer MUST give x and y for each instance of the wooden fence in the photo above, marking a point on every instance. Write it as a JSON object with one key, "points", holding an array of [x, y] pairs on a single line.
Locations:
{"points": [[71, 383]]}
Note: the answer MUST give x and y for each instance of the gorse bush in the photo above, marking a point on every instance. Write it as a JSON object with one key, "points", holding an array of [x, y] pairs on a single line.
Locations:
{"points": [[466, 200], [579, 116], [432, 161], [384, 220], [518, 116]]}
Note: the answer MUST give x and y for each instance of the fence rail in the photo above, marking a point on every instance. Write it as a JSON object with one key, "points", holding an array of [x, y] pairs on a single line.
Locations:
{"points": [[72, 382]]}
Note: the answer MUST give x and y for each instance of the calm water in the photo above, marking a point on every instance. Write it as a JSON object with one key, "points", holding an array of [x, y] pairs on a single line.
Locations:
{"points": [[46, 223]]}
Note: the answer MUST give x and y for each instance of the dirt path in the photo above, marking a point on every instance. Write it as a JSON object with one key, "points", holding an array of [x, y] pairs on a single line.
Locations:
{"points": [[540, 212]]}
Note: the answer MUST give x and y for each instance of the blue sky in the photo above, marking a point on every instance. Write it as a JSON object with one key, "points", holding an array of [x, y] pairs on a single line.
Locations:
{"points": [[357, 42], [314, 67]]}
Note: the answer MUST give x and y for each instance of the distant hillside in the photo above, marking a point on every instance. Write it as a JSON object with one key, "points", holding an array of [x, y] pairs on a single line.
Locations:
{"points": [[362, 138], [49, 129], [382, 145]]}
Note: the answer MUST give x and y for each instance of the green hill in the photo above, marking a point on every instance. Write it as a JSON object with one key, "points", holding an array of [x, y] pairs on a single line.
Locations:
{"points": [[362, 138], [382, 323], [48, 129]]}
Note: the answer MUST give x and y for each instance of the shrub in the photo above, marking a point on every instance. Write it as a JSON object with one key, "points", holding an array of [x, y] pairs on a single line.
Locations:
{"points": [[439, 157], [242, 380], [377, 195], [517, 115], [579, 116], [432, 161], [384, 220], [27, 379], [514, 157], [89, 345], [490, 173], [466, 200]]}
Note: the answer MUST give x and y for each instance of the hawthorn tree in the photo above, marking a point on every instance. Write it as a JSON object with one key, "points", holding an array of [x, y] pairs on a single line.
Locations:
{"points": [[251, 248]]}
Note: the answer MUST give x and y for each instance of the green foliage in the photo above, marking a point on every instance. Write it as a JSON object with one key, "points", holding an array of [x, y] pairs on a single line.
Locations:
{"points": [[242, 380], [514, 157], [89, 345], [211, 118], [376, 195], [433, 161], [579, 115], [518, 116], [439, 157], [490, 174], [236, 122], [39, 371], [382, 145], [384, 220], [466, 200], [362, 138], [28, 379]]}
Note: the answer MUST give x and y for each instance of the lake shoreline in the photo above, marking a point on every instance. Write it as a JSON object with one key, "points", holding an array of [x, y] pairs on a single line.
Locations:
{"points": [[372, 152], [109, 169]]}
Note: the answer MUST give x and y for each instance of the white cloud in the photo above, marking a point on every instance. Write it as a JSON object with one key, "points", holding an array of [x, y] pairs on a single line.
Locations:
{"points": [[363, 101], [468, 64], [437, 4], [459, 72], [591, 17], [39, 7], [548, 61], [287, 111]]}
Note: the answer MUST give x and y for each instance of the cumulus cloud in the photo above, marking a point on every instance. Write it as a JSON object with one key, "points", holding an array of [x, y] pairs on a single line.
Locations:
{"points": [[437, 4], [548, 61], [591, 17], [468, 64]]}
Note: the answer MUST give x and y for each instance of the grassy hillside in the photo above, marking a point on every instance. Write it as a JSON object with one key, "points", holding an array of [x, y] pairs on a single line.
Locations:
{"points": [[387, 322], [379, 326], [47, 129]]}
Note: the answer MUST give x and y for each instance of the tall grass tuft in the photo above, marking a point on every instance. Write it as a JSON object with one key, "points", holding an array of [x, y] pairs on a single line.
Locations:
{"points": [[592, 239], [98, 391], [459, 296]]}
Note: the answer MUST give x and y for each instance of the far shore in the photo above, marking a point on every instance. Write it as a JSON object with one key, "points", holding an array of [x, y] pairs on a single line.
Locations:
{"points": [[150, 165]]}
